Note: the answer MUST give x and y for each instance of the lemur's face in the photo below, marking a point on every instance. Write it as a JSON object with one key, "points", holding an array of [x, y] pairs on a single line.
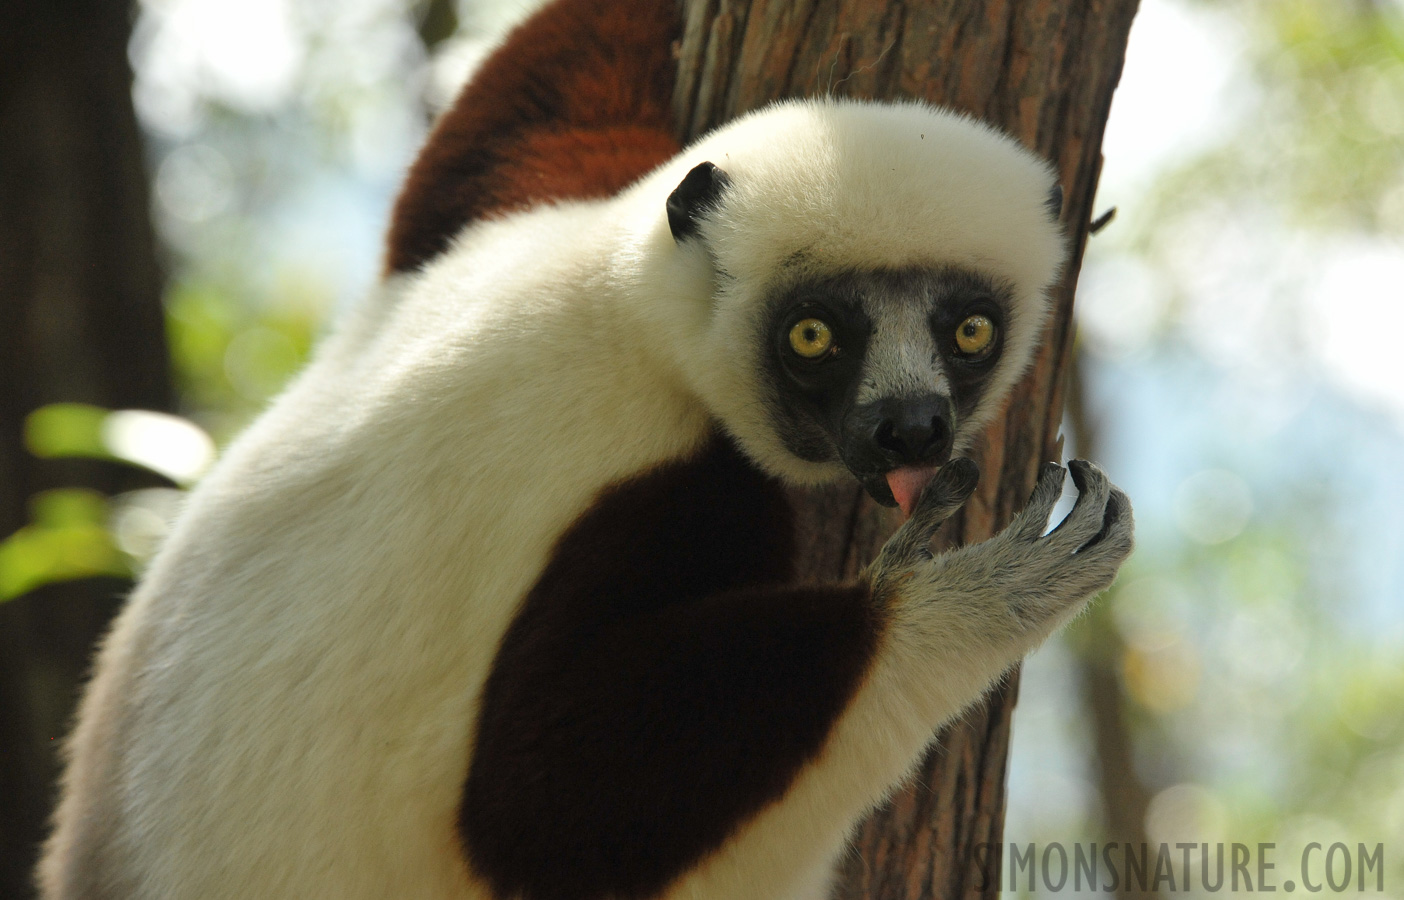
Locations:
{"points": [[883, 371], [869, 308]]}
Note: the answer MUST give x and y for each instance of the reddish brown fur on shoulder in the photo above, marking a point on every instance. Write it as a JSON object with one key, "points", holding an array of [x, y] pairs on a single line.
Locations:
{"points": [[574, 105]]}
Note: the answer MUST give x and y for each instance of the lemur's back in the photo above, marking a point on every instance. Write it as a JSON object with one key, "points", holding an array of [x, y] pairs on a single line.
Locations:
{"points": [[573, 105]]}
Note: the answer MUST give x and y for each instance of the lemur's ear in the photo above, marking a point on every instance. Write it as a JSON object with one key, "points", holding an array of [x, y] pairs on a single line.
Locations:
{"points": [[1054, 203], [699, 191]]}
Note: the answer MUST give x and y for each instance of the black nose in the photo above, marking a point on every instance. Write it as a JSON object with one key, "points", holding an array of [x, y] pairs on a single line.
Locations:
{"points": [[910, 430]]}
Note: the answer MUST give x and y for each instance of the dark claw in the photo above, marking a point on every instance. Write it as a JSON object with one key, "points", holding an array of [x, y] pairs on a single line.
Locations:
{"points": [[1080, 470], [1109, 518]]}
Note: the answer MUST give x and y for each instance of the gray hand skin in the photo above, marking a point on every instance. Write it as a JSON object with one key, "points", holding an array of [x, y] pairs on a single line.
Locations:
{"points": [[986, 605]]}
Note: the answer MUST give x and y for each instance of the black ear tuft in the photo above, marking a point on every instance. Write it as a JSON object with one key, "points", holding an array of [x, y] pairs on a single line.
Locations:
{"points": [[699, 192], [1054, 203]]}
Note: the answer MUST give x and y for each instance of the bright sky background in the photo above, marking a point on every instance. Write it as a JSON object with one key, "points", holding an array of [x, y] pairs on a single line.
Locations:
{"points": [[1185, 88]]}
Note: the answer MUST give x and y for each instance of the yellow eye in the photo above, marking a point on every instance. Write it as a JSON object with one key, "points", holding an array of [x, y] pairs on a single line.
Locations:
{"points": [[975, 335], [811, 338]]}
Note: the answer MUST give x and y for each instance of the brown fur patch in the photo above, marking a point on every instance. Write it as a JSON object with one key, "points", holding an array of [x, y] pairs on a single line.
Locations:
{"points": [[574, 105], [662, 683]]}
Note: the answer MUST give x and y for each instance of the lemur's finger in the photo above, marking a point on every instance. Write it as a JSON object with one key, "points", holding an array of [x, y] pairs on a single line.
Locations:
{"points": [[1030, 524], [1086, 517], [946, 492], [1087, 476], [942, 496], [1118, 526]]}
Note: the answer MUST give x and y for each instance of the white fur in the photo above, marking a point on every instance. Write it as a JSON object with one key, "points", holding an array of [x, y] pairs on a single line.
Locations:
{"points": [[285, 708], [829, 186]]}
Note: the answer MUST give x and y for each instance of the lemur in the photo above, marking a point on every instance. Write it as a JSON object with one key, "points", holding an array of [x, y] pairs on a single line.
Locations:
{"points": [[498, 599]]}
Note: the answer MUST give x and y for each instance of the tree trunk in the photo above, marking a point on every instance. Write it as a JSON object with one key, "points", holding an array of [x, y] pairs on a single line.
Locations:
{"points": [[1044, 71], [80, 319]]}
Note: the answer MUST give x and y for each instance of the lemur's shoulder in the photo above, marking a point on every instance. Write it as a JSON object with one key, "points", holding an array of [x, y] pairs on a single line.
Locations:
{"points": [[575, 104]]}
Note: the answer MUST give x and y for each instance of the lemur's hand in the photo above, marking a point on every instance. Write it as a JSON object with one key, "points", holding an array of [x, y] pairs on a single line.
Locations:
{"points": [[1052, 575], [1021, 584]]}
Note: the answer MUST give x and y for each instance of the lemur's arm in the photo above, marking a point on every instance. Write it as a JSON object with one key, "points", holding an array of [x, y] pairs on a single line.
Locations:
{"points": [[658, 687], [573, 105]]}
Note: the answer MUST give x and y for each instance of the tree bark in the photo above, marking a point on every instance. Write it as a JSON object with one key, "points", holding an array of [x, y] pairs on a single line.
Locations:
{"points": [[1044, 71], [80, 320]]}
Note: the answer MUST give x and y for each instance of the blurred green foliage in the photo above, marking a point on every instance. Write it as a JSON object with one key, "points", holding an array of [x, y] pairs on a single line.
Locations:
{"points": [[1325, 136], [1338, 123], [231, 355], [67, 538]]}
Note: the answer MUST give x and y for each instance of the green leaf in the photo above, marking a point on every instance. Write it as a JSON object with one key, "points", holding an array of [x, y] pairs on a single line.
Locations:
{"points": [[43, 554], [65, 429], [169, 445], [68, 508]]}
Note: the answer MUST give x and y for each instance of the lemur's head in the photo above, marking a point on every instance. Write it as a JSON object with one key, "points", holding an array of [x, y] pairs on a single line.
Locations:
{"points": [[878, 280]]}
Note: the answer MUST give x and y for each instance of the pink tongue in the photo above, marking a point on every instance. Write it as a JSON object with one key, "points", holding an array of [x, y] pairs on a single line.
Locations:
{"points": [[906, 484]]}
